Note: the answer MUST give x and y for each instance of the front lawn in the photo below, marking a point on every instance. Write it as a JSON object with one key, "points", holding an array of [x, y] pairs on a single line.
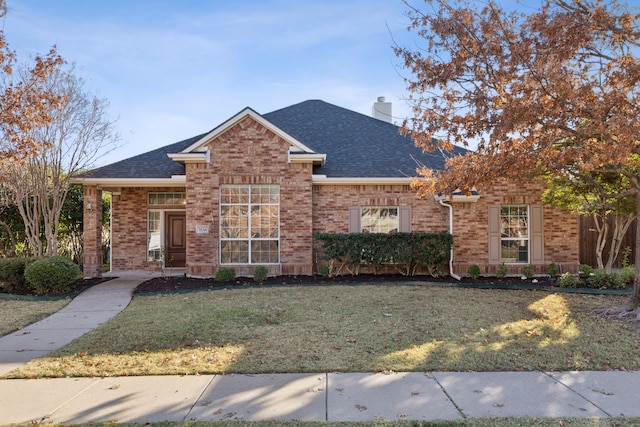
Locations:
{"points": [[354, 328], [16, 314]]}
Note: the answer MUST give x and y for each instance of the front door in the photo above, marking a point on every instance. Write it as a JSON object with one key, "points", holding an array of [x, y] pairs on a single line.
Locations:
{"points": [[175, 239]]}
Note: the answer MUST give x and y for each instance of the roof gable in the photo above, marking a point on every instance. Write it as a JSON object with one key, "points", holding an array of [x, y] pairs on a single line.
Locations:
{"points": [[294, 144]]}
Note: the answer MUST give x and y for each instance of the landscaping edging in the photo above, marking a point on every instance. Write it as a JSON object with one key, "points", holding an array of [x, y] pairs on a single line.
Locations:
{"points": [[487, 286]]}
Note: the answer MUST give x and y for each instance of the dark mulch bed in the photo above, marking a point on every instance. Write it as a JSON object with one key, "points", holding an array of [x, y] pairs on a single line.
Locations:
{"points": [[79, 286], [175, 283]]}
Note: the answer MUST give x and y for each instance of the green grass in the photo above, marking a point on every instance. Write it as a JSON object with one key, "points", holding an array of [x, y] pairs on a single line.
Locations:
{"points": [[469, 422], [349, 329], [16, 314]]}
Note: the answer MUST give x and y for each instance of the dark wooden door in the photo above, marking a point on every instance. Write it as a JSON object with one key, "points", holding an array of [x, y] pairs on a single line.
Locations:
{"points": [[175, 239]]}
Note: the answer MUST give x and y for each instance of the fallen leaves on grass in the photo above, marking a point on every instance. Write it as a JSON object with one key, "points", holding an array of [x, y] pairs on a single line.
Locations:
{"points": [[283, 330]]}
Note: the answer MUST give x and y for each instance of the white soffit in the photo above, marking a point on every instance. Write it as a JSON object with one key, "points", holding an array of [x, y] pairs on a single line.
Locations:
{"points": [[199, 157], [459, 197], [324, 180]]}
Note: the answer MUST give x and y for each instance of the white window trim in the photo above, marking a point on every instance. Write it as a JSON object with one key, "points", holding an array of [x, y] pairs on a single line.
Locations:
{"points": [[511, 239], [249, 239], [165, 193]]}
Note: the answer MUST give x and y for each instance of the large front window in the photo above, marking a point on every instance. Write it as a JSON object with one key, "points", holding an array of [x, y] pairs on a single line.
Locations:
{"points": [[514, 234], [249, 224], [376, 219]]}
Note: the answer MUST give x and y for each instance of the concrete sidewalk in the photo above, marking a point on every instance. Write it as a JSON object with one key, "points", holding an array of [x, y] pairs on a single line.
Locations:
{"points": [[87, 311], [321, 397], [307, 397]]}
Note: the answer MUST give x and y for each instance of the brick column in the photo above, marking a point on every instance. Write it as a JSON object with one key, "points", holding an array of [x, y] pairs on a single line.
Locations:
{"points": [[92, 222]]}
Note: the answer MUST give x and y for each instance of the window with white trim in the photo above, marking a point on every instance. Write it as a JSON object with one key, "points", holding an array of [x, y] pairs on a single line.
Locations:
{"points": [[379, 219], [514, 234], [174, 199], [249, 224], [154, 235]]}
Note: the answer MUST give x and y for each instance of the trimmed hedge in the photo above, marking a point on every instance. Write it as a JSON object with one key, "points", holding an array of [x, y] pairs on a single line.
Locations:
{"points": [[12, 274], [51, 274], [345, 253]]}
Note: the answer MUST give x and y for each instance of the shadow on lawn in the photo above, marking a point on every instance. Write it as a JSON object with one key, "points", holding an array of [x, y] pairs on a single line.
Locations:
{"points": [[371, 329]]}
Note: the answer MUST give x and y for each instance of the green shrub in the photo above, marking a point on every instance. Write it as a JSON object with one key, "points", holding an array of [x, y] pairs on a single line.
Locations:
{"points": [[626, 256], [12, 274], [51, 274], [473, 271], [260, 273], [501, 271], [225, 274], [585, 270], [346, 252], [568, 280], [600, 279], [628, 275], [528, 272], [553, 270]]}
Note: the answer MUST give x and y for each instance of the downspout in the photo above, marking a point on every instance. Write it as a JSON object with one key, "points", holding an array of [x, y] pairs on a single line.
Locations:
{"points": [[455, 276]]}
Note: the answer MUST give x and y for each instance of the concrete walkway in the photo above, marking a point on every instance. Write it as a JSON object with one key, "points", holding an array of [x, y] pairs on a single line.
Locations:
{"points": [[87, 311], [307, 397]]}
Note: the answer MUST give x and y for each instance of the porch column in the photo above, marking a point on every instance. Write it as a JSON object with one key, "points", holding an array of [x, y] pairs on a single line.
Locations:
{"points": [[92, 222]]}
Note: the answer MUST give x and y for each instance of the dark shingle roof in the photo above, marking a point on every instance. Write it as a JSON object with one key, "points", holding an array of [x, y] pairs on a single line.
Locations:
{"points": [[356, 145], [153, 164]]}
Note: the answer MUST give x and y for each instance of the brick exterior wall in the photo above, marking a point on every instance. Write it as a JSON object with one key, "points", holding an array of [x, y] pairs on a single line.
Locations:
{"points": [[331, 206], [471, 223], [92, 238], [249, 153], [129, 227]]}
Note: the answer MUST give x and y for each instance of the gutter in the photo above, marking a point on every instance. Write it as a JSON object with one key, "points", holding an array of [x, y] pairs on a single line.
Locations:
{"points": [[451, 273]]}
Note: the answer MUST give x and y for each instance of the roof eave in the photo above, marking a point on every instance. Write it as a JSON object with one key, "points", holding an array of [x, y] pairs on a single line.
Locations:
{"points": [[458, 198], [199, 157], [174, 181], [315, 158], [324, 180]]}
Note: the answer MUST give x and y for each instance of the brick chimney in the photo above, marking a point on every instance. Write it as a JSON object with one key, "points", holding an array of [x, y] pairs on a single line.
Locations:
{"points": [[382, 110]]}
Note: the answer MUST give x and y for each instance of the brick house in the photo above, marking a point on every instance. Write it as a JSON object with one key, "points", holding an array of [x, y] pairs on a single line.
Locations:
{"points": [[255, 189]]}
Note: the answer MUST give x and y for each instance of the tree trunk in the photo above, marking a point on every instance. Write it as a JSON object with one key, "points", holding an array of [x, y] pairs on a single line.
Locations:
{"points": [[621, 226], [602, 227], [11, 252], [635, 298]]}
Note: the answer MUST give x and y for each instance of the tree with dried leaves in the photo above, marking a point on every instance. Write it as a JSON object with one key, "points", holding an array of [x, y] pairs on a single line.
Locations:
{"points": [[79, 134], [553, 91], [25, 102]]}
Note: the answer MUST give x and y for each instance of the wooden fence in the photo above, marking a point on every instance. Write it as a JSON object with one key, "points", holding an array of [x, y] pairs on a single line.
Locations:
{"points": [[589, 237]]}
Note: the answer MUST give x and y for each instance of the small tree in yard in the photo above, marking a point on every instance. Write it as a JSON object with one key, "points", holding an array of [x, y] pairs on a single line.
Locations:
{"points": [[79, 134], [597, 195], [554, 91]]}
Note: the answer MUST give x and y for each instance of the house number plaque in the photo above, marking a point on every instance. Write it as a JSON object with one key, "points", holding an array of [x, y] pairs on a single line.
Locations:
{"points": [[202, 229]]}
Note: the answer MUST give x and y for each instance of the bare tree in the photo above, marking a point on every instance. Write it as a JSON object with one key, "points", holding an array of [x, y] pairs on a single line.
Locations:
{"points": [[80, 133]]}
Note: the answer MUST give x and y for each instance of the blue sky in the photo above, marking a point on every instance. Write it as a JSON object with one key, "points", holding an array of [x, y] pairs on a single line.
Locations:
{"points": [[174, 69]]}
